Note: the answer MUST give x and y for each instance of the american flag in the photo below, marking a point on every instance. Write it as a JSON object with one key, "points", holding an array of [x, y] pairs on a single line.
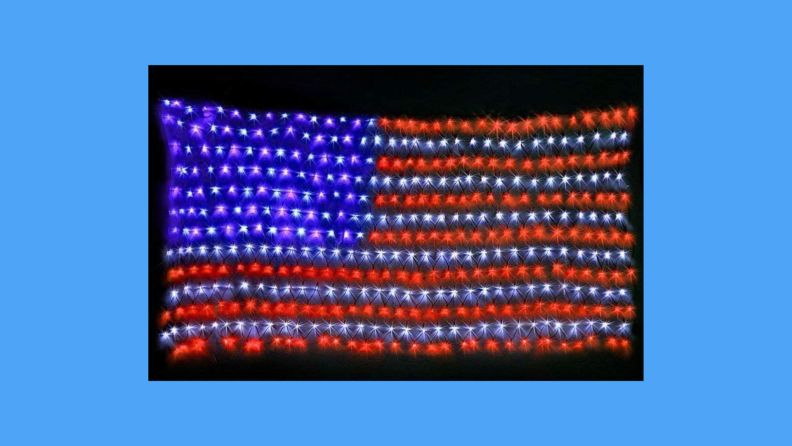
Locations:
{"points": [[381, 235]]}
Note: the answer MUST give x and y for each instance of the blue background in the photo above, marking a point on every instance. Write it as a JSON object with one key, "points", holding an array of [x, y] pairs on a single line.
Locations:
{"points": [[74, 161]]}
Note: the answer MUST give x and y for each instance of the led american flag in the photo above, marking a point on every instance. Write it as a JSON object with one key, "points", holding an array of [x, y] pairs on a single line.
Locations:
{"points": [[380, 235]]}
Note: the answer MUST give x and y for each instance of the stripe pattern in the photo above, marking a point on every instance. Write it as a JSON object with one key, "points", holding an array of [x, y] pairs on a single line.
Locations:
{"points": [[394, 235]]}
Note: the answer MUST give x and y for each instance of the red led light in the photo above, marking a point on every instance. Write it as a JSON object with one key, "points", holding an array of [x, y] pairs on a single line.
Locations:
{"points": [[527, 233], [546, 123], [229, 342], [253, 346], [416, 278], [187, 350], [192, 348], [603, 160], [578, 200], [263, 307]]}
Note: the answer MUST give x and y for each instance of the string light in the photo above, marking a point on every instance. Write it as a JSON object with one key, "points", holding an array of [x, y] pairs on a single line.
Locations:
{"points": [[532, 125], [422, 333], [260, 307], [418, 278], [413, 220], [608, 181], [603, 160], [307, 255], [525, 234], [578, 200], [289, 230], [198, 347], [303, 291]]}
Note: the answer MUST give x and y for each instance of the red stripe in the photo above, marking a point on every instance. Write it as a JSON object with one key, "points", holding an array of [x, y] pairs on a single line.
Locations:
{"points": [[527, 233], [201, 348], [261, 307], [605, 160], [578, 200], [415, 278], [582, 120]]}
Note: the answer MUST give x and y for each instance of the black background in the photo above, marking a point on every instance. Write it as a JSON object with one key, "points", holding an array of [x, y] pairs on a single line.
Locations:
{"points": [[422, 92]]}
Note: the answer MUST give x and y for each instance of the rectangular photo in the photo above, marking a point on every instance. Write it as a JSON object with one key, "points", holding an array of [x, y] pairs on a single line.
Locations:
{"points": [[395, 223]]}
